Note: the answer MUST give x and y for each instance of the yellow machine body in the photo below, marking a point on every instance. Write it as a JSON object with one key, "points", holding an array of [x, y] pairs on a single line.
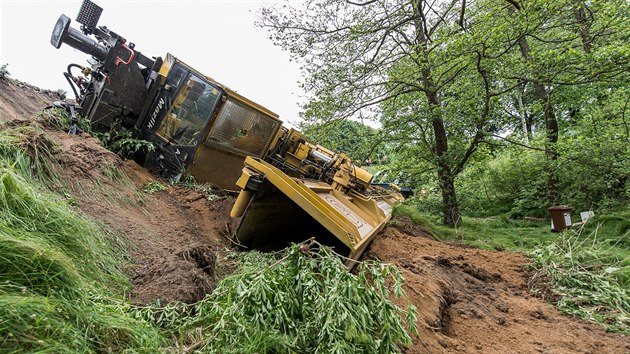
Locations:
{"points": [[290, 188], [306, 190]]}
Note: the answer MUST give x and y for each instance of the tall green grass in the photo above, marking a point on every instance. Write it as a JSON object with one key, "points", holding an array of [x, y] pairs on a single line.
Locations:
{"points": [[29, 151], [491, 233], [61, 284]]}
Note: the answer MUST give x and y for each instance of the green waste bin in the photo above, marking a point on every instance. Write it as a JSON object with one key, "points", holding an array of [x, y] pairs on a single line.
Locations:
{"points": [[560, 217]]}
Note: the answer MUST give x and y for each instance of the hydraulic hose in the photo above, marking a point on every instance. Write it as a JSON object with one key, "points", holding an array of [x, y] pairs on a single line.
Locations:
{"points": [[68, 76], [72, 84]]}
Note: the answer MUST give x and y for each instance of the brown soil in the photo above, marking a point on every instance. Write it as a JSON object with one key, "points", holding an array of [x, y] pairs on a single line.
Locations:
{"points": [[173, 235], [468, 300], [19, 100], [476, 301]]}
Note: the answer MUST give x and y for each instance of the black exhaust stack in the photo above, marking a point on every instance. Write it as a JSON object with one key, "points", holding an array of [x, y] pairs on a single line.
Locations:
{"points": [[63, 33], [114, 91]]}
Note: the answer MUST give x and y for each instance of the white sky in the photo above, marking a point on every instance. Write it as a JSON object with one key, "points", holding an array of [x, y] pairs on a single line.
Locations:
{"points": [[216, 37]]}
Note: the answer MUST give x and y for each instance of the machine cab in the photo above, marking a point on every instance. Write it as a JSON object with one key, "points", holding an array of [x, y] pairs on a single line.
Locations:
{"points": [[203, 128]]}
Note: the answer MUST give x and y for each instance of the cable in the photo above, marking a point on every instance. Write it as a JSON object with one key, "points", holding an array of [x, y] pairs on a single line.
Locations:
{"points": [[69, 77]]}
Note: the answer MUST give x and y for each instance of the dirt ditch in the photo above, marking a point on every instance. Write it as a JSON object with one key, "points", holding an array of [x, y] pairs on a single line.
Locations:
{"points": [[470, 300]]}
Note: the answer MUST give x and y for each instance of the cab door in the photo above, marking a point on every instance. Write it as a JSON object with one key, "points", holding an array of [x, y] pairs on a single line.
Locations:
{"points": [[181, 118]]}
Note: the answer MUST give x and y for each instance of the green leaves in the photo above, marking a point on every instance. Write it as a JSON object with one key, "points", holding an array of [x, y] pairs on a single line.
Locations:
{"points": [[589, 276], [123, 143], [301, 300], [153, 186], [355, 139]]}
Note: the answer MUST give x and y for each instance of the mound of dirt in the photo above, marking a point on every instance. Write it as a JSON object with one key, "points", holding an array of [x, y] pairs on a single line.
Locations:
{"points": [[172, 235], [19, 100], [476, 301]]}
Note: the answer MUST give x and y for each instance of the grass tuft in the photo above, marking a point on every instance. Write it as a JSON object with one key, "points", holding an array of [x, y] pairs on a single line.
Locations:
{"points": [[29, 151], [61, 285]]}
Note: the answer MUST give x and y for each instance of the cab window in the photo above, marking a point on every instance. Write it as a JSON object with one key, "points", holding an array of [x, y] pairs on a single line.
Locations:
{"points": [[190, 111], [241, 129]]}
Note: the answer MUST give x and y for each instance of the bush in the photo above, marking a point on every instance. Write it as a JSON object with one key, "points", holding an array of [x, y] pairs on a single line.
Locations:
{"points": [[511, 182]]}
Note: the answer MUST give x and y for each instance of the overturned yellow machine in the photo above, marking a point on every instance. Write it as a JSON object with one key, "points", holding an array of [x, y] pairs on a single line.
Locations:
{"points": [[302, 190], [290, 189]]}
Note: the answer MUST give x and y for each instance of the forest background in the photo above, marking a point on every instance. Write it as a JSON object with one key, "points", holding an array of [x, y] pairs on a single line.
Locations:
{"points": [[491, 107]]}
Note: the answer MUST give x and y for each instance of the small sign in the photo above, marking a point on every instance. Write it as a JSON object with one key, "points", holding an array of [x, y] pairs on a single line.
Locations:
{"points": [[585, 215]]}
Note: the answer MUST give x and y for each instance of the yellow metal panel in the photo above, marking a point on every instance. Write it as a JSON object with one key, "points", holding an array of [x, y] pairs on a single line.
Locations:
{"points": [[325, 214], [355, 222], [349, 212], [242, 181], [367, 216], [167, 64]]}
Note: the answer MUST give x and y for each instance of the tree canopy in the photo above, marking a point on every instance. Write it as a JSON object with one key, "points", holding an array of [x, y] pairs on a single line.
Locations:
{"points": [[448, 78]]}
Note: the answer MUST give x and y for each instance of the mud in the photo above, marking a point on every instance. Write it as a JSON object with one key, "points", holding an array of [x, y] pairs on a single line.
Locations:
{"points": [[476, 301], [172, 235], [19, 100]]}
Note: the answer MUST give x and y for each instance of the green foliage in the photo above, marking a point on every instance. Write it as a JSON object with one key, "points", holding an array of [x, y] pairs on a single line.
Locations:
{"points": [[210, 191], [29, 151], [59, 119], [120, 141], [123, 143], [360, 142], [492, 233], [511, 182], [302, 300], [490, 73], [593, 166], [411, 212], [61, 284], [590, 275], [153, 186]]}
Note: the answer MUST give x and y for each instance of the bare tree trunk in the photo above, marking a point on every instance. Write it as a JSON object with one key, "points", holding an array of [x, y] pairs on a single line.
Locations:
{"points": [[446, 179], [551, 127]]}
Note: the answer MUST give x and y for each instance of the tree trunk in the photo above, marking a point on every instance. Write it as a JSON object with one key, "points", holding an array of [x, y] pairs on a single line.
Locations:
{"points": [[446, 179], [551, 127], [523, 115], [452, 216], [584, 25]]}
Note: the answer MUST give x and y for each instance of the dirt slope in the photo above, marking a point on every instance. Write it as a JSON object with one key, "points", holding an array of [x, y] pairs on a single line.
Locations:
{"points": [[476, 301], [19, 100], [468, 300], [172, 235]]}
